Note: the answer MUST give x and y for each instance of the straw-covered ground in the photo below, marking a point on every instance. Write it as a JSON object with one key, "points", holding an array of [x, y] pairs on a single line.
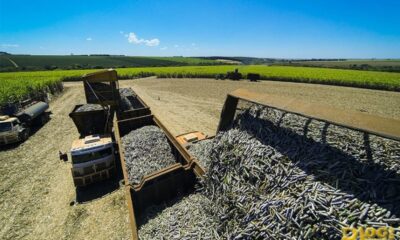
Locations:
{"points": [[36, 188]]}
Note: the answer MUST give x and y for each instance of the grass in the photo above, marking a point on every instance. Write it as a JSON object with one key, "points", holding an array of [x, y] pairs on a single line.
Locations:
{"points": [[46, 62], [342, 77], [16, 85], [392, 65]]}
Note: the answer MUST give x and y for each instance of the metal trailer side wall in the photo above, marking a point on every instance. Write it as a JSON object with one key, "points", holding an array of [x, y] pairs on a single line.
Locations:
{"points": [[105, 96], [89, 122], [143, 111], [134, 113], [364, 122], [108, 94]]}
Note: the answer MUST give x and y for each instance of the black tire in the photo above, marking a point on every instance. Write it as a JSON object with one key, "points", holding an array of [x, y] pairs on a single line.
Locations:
{"points": [[44, 119], [24, 135]]}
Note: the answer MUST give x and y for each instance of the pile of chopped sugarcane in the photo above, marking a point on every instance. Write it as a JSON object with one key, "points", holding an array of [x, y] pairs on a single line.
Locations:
{"points": [[186, 218], [281, 176], [89, 107], [129, 100], [201, 150], [126, 92], [276, 175], [146, 150]]}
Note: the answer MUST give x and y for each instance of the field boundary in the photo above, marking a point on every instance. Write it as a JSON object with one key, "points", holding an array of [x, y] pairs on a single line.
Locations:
{"points": [[331, 82], [17, 85], [310, 81]]}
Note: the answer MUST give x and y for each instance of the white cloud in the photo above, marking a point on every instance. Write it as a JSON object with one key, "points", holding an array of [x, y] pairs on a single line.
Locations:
{"points": [[7, 45], [152, 42], [89, 39], [164, 48], [132, 38]]}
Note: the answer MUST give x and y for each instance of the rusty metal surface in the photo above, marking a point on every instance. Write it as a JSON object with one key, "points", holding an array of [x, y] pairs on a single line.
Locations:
{"points": [[140, 99], [90, 122], [121, 151], [131, 210], [149, 179], [160, 187], [134, 113], [143, 111], [109, 96], [103, 97], [227, 113], [109, 75], [384, 127], [182, 138]]}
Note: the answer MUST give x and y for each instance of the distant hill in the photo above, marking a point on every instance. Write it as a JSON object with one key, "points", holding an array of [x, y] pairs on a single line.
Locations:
{"points": [[381, 65], [244, 60], [10, 62], [50, 62]]}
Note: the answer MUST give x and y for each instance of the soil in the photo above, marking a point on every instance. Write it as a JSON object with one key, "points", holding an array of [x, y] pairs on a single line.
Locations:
{"points": [[195, 104], [36, 188]]}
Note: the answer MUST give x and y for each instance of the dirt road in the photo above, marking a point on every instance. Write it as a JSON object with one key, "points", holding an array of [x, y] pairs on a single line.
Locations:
{"points": [[36, 188]]}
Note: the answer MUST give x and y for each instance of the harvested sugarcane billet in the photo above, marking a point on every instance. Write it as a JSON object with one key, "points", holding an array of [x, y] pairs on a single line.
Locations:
{"points": [[89, 107], [201, 150], [276, 175], [146, 150], [129, 100]]}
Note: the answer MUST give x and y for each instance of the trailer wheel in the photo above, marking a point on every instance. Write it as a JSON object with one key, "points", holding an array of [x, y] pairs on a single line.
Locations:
{"points": [[24, 135], [43, 119]]}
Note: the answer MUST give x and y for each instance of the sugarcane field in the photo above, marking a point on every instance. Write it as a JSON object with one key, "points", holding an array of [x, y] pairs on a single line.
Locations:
{"points": [[216, 120]]}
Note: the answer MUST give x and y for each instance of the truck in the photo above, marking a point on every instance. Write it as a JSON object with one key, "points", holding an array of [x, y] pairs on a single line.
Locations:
{"points": [[18, 127], [92, 159], [93, 153]]}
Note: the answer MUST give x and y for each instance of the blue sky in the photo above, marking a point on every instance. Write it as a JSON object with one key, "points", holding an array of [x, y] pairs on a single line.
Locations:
{"points": [[282, 29]]}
